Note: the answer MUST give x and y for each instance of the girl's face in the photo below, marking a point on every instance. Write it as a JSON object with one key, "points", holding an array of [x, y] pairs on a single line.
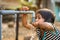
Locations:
{"points": [[39, 18]]}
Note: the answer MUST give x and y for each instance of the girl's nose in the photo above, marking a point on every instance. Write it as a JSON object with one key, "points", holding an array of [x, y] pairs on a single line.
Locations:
{"points": [[36, 20]]}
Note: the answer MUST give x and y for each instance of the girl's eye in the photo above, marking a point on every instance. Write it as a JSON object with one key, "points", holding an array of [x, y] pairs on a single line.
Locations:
{"points": [[38, 17]]}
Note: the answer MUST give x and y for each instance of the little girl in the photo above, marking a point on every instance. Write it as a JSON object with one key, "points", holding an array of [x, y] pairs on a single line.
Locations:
{"points": [[44, 20]]}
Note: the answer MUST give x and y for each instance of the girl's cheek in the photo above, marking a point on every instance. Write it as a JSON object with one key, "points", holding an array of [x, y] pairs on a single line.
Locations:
{"points": [[41, 20]]}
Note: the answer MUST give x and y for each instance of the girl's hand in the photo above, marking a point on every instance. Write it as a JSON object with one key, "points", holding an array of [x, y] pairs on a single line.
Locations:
{"points": [[25, 8], [35, 24]]}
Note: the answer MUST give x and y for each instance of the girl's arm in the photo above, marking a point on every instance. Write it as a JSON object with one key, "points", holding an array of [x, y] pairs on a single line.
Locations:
{"points": [[25, 23]]}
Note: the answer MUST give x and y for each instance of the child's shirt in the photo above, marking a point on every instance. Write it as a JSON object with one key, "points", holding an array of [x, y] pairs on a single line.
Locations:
{"points": [[49, 35]]}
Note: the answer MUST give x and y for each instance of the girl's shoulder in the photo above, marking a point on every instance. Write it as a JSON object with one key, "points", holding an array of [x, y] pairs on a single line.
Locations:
{"points": [[50, 24]]}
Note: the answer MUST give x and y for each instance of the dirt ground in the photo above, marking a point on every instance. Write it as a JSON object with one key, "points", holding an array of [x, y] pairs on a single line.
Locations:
{"points": [[8, 33]]}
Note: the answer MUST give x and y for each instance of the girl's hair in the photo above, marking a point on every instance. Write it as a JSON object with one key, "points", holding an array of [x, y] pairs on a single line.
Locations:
{"points": [[47, 14]]}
